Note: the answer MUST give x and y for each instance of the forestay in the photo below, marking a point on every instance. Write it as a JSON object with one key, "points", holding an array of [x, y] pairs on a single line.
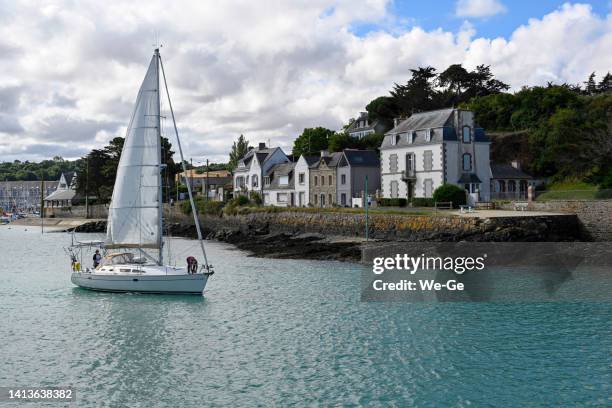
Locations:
{"points": [[134, 213]]}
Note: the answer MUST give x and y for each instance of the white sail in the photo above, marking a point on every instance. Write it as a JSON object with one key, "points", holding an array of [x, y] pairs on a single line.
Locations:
{"points": [[134, 214]]}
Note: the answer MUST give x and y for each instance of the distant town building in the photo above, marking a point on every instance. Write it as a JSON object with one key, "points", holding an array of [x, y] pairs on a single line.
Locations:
{"points": [[323, 180], [432, 148], [65, 192], [212, 183], [23, 196], [362, 126]]}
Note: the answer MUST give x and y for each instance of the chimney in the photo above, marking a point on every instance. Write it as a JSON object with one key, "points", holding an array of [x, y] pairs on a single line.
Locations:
{"points": [[516, 164], [262, 145], [324, 153], [396, 121]]}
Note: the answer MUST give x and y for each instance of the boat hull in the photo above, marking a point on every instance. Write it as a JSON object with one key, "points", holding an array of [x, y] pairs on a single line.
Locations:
{"points": [[168, 284]]}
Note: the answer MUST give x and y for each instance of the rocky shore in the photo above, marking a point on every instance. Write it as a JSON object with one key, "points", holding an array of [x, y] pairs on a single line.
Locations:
{"points": [[338, 236]]}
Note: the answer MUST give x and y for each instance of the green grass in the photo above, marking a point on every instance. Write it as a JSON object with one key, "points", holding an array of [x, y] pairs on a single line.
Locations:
{"points": [[569, 190]]}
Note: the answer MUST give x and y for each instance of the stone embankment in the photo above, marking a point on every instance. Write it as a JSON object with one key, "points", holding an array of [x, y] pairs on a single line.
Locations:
{"points": [[338, 236]]}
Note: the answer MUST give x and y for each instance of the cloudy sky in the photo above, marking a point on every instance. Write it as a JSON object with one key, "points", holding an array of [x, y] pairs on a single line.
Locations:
{"points": [[267, 69]]}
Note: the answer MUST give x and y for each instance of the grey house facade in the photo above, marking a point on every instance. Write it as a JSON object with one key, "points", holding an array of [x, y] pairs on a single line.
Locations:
{"points": [[353, 168], [432, 148]]}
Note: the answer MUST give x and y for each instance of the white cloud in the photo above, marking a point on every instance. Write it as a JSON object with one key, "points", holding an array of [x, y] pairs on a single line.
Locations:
{"points": [[479, 8], [70, 75]]}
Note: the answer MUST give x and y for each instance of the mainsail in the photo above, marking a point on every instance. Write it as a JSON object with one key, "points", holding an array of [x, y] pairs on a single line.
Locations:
{"points": [[134, 215]]}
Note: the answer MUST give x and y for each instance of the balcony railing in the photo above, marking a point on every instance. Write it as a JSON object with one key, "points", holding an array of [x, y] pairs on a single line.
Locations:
{"points": [[408, 174]]}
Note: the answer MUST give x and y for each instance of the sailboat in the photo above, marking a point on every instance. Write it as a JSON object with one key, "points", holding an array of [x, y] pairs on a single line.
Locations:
{"points": [[133, 260]]}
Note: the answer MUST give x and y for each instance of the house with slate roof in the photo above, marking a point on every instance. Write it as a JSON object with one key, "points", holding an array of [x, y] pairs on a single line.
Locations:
{"points": [[431, 148], [362, 126], [509, 182], [302, 179], [65, 192], [279, 185], [336, 178], [251, 169], [353, 168]]}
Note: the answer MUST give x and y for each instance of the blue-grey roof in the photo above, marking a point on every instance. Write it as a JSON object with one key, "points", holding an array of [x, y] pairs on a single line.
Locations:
{"points": [[469, 178], [506, 171], [278, 170], [425, 120], [362, 158]]}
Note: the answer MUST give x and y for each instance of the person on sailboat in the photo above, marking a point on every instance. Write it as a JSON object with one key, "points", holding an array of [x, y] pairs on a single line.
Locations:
{"points": [[192, 265], [97, 258]]}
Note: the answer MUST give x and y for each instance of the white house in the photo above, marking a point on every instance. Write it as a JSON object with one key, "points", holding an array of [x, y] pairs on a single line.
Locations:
{"points": [[432, 148], [250, 171], [279, 185], [302, 179], [362, 126]]}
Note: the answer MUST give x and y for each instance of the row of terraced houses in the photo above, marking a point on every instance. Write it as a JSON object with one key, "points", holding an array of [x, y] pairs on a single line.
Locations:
{"points": [[419, 154]]}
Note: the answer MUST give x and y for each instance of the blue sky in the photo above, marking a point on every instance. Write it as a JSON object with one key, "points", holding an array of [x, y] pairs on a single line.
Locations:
{"points": [[431, 15]]}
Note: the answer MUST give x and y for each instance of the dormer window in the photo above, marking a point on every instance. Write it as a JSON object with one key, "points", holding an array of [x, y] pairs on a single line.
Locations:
{"points": [[411, 137], [395, 139], [266, 180], [467, 135], [428, 135]]}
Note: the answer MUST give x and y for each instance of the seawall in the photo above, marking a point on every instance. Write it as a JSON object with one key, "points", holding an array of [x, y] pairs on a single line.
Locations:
{"points": [[595, 216]]}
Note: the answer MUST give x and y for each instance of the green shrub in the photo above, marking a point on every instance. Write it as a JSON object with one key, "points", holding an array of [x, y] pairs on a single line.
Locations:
{"points": [[392, 202], [256, 198], [450, 192], [422, 202], [204, 207]]}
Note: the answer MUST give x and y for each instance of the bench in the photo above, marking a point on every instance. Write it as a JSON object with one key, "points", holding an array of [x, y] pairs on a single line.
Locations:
{"points": [[443, 205], [466, 209], [520, 206]]}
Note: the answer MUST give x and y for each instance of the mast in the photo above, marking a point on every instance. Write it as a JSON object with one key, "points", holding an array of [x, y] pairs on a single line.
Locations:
{"points": [[159, 155], [178, 141]]}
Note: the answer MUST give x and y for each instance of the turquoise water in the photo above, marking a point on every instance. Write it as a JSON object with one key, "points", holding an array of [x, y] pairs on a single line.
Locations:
{"points": [[287, 333]]}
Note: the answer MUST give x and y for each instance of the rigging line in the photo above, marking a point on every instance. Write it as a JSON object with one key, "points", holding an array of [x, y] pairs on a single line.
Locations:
{"points": [[193, 207]]}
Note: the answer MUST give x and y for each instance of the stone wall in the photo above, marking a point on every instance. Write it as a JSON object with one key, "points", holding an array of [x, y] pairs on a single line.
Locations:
{"points": [[595, 216], [78, 211], [404, 227]]}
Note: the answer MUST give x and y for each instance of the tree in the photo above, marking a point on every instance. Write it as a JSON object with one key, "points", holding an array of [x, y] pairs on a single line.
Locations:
{"points": [[418, 94], [384, 109], [590, 87], [239, 149], [605, 85], [340, 141], [312, 141], [449, 193]]}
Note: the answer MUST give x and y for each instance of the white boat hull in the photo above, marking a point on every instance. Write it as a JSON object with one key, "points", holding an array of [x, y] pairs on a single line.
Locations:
{"points": [[170, 284]]}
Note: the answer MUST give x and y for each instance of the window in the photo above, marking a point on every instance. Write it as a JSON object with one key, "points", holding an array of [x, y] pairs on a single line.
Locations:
{"points": [[467, 162], [411, 137], [239, 182], [330, 180], [281, 197], [322, 180], [283, 180], [247, 180], [395, 139], [330, 199], [427, 160], [467, 138], [428, 135], [316, 180], [322, 200], [410, 165], [394, 189], [343, 199], [266, 180], [343, 179], [301, 178], [316, 199], [428, 188], [255, 180], [393, 163]]}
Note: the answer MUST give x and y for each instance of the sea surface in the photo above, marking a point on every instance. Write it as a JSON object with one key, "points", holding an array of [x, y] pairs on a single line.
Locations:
{"points": [[286, 333]]}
